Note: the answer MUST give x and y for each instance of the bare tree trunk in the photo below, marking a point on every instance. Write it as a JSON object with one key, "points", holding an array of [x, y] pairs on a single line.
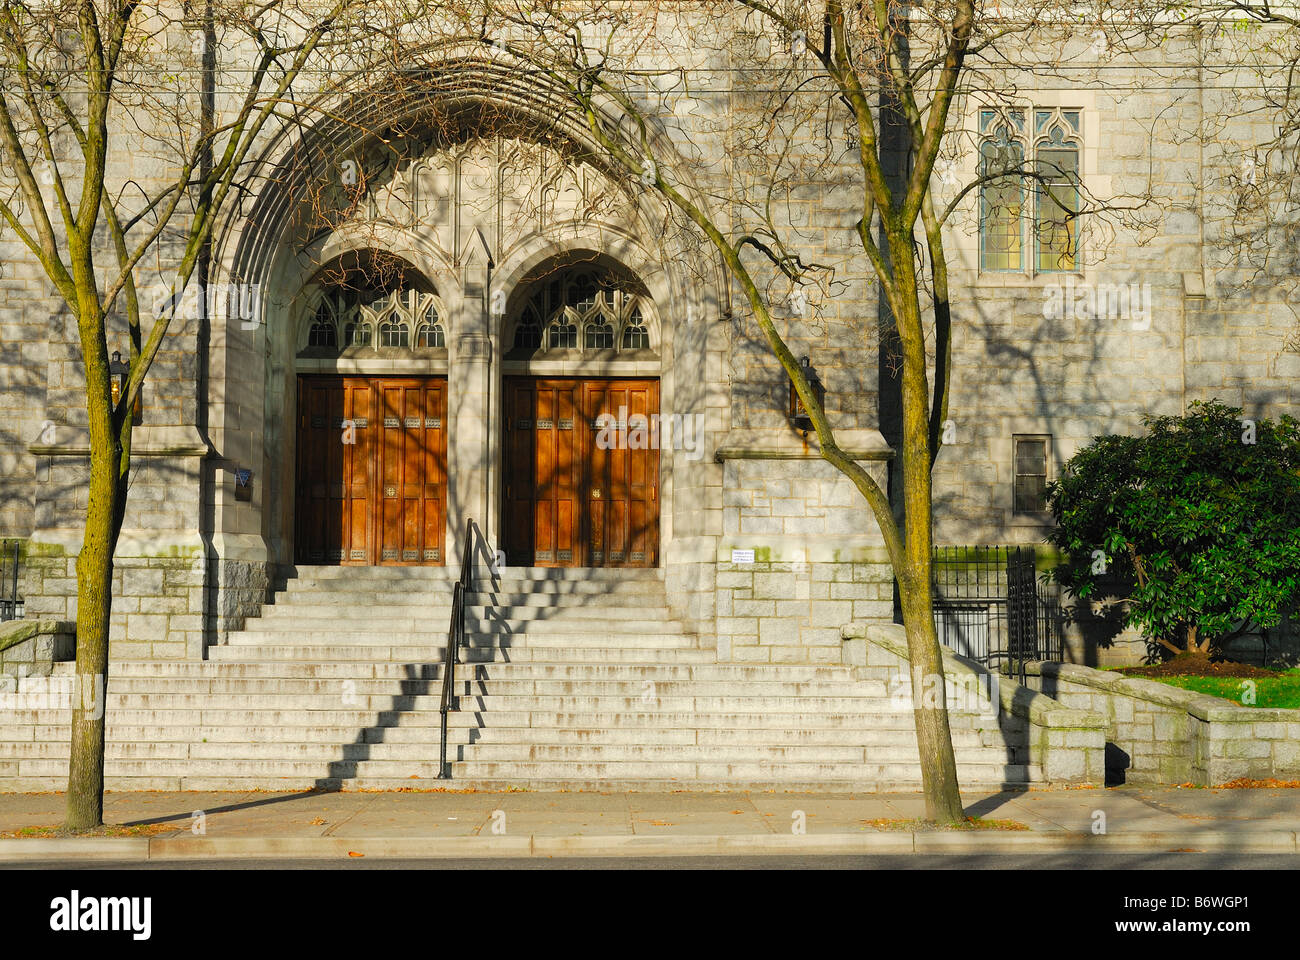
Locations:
{"points": [[929, 691], [929, 702], [85, 803]]}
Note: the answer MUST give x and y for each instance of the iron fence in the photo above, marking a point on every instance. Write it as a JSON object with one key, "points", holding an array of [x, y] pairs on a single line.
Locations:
{"points": [[991, 605], [11, 605]]}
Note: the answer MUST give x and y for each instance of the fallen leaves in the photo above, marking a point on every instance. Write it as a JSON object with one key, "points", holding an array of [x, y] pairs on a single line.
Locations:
{"points": [[107, 830], [914, 825], [1246, 783]]}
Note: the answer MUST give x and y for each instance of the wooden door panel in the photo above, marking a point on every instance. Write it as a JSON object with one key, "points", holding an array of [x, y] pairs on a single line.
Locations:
{"points": [[371, 470], [571, 499], [356, 481], [518, 473]]}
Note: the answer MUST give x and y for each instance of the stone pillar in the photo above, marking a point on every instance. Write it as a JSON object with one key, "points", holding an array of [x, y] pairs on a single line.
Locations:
{"points": [[469, 403], [468, 448]]}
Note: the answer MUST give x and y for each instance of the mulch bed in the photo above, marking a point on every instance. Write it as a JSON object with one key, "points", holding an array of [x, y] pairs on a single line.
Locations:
{"points": [[1197, 667]]}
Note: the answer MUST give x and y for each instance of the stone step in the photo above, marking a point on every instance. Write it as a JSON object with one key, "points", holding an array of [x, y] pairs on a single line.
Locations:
{"points": [[307, 573], [724, 772], [863, 784], [483, 752], [495, 625], [568, 611], [702, 736], [397, 592], [643, 593], [56, 722], [613, 698], [381, 655], [482, 743], [390, 615], [480, 752], [410, 617], [279, 771], [468, 732], [595, 646], [335, 714], [345, 632], [497, 670], [468, 685], [619, 575], [508, 583]]}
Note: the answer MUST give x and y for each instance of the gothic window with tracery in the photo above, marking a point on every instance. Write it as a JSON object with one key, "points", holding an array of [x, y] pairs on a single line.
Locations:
{"points": [[599, 336], [635, 334], [397, 319], [324, 330], [562, 336], [1032, 184], [358, 334], [586, 310]]}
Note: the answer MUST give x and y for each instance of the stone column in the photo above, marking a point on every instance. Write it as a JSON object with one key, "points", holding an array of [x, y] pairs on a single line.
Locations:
{"points": [[468, 403]]}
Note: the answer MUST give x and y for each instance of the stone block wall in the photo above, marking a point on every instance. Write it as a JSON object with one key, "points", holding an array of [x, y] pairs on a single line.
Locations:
{"points": [[780, 610], [1160, 734], [30, 648], [158, 602]]}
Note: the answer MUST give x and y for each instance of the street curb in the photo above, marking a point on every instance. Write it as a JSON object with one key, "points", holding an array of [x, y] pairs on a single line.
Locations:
{"points": [[493, 847]]}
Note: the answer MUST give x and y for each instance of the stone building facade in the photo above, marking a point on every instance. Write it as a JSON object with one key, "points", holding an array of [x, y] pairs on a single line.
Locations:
{"points": [[437, 266]]}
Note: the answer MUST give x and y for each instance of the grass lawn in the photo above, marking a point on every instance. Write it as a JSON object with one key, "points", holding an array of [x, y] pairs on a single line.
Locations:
{"points": [[1280, 691]]}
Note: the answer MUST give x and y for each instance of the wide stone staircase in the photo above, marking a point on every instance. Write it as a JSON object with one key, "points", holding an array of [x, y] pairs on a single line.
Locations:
{"points": [[574, 679]]}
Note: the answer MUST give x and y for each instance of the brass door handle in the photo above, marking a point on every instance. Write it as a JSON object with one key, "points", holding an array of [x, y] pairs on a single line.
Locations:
{"points": [[595, 494]]}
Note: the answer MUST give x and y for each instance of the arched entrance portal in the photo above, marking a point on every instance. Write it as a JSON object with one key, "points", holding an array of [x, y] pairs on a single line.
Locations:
{"points": [[581, 424]]}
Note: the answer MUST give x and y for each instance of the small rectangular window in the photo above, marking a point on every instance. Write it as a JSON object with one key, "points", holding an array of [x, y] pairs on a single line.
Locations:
{"points": [[1030, 474]]}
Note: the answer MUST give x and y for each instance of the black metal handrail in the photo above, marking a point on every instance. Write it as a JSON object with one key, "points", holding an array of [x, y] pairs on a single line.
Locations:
{"points": [[455, 639]]}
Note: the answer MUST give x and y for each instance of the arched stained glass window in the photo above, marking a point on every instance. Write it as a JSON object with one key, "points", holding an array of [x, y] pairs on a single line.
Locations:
{"points": [[1056, 194], [1002, 199]]}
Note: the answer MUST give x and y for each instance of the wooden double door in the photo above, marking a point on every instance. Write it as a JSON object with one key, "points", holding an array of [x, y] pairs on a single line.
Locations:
{"points": [[581, 472], [371, 470]]}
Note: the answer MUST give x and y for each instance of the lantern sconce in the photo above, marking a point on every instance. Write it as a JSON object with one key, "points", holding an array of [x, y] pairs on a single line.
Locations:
{"points": [[799, 418], [120, 372]]}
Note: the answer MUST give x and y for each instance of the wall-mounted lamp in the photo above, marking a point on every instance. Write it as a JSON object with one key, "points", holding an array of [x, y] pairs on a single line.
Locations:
{"points": [[799, 418], [120, 371]]}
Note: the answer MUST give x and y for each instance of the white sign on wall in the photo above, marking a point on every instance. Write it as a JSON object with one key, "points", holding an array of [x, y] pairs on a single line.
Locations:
{"points": [[742, 556]]}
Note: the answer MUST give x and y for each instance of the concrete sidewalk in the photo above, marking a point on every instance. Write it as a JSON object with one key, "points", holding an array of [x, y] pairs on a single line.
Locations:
{"points": [[434, 824]]}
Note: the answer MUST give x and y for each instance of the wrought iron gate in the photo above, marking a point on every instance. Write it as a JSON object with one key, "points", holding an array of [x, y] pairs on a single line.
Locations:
{"points": [[11, 607], [989, 605]]}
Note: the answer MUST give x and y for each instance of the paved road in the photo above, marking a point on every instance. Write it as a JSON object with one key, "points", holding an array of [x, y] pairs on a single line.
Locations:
{"points": [[1041, 861]]}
